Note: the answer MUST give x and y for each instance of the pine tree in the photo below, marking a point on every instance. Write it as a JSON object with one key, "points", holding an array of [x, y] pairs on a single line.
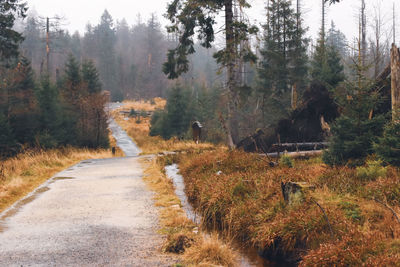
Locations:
{"points": [[105, 41], [51, 132], [356, 130], [284, 59], [10, 39], [22, 106], [90, 77], [388, 147]]}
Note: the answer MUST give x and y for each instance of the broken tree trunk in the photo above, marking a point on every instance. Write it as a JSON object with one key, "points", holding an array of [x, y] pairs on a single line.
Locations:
{"points": [[395, 68]]}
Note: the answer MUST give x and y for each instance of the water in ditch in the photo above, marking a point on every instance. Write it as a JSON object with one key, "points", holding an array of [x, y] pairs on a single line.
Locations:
{"points": [[248, 256]]}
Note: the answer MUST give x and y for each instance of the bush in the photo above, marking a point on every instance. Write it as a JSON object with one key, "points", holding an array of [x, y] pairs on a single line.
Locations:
{"points": [[132, 113], [372, 171], [353, 140], [388, 147], [286, 161]]}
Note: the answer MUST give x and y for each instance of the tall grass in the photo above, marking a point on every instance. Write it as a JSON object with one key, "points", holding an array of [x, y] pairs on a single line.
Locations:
{"points": [[23, 173], [240, 193]]}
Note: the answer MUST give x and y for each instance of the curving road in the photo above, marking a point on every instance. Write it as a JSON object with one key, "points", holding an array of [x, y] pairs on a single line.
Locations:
{"points": [[97, 213]]}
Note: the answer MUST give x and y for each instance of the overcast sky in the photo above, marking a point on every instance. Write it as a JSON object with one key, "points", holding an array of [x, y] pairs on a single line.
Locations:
{"points": [[79, 12]]}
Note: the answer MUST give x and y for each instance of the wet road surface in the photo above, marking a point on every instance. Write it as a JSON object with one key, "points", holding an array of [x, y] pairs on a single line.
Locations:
{"points": [[97, 213]]}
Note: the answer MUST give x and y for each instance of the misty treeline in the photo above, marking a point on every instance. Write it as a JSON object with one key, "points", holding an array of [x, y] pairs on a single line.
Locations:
{"points": [[296, 90], [35, 110], [129, 58]]}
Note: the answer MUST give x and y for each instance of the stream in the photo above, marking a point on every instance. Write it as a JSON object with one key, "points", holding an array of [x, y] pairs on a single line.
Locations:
{"points": [[248, 256]]}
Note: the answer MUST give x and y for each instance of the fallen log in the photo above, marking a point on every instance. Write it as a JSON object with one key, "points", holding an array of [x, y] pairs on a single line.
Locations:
{"points": [[299, 154]]}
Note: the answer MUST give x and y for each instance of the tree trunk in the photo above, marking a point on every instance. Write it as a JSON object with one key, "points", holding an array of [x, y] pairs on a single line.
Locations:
{"points": [[395, 66], [230, 49]]}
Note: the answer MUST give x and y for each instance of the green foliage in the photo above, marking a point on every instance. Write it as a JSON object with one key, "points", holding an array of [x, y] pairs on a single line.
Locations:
{"points": [[133, 113], [352, 211], [388, 147], [10, 39], [175, 120], [286, 161], [90, 77], [372, 171], [355, 132], [8, 145], [326, 66], [284, 60]]}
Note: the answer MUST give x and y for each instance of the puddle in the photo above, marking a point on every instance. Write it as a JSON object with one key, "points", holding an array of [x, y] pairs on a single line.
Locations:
{"points": [[63, 178], [17, 207], [249, 256]]}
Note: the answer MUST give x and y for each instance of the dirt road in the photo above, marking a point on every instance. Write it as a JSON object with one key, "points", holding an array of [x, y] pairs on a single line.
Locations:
{"points": [[97, 213]]}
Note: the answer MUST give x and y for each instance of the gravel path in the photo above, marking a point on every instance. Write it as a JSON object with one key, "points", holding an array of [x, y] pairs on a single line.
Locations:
{"points": [[97, 213]]}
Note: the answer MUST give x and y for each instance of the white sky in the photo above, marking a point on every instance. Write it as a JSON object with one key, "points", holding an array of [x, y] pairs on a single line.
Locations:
{"points": [[79, 12]]}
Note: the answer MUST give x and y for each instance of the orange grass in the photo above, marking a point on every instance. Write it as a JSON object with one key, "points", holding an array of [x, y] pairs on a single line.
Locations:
{"points": [[22, 174], [239, 194], [159, 103]]}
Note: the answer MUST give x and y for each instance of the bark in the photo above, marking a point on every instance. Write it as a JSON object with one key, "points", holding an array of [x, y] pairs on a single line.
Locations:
{"points": [[230, 49], [395, 67]]}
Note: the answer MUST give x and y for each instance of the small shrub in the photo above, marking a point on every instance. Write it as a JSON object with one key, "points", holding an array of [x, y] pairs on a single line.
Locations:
{"points": [[352, 211], [372, 171], [388, 147], [286, 161], [133, 113]]}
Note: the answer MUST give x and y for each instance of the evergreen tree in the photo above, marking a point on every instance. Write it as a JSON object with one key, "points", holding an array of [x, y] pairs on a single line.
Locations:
{"points": [[284, 59], [8, 145], [90, 77], [10, 39], [22, 107], [189, 17], [51, 132], [105, 38], [356, 130], [388, 147], [326, 65]]}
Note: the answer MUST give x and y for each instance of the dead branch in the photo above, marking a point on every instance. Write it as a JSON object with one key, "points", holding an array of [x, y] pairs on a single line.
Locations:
{"points": [[389, 208], [325, 215]]}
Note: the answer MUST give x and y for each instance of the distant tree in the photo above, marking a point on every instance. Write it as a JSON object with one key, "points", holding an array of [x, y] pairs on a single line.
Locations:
{"points": [[10, 39], [326, 64], [284, 58], [90, 77], [337, 40], [51, 132], [22, 107], [105, 41], [8, 144]]}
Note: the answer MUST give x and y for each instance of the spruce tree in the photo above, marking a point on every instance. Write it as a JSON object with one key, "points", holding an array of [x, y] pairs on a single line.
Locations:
{"points": [[284, 59], [8, 144], [388, 147], [90, 77], [51, 132], [10, 39]]}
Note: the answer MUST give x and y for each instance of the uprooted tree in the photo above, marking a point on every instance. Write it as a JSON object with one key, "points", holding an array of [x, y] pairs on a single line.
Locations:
{"points": [[189, 17]]}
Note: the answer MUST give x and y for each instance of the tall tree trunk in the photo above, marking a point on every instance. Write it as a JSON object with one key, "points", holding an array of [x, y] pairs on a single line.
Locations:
{"points": [[230, 49], [395, 66]]}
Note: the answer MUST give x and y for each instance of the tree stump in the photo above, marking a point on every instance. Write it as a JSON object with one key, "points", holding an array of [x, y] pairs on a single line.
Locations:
{"points": [[294, 192]]}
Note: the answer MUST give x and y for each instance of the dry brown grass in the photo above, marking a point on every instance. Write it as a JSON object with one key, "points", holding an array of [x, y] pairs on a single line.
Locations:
{"points": [[22, 174], [159, 103], [182, 234], [246, 199]]}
